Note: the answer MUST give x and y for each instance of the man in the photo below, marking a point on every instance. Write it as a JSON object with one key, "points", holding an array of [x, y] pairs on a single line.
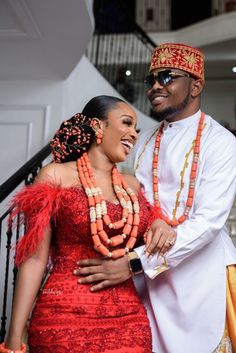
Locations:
{"points": [[187, 167]]}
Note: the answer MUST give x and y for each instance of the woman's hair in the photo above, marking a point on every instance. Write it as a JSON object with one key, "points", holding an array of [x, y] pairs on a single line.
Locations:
{"points": [[76, 134], [100, 106]]}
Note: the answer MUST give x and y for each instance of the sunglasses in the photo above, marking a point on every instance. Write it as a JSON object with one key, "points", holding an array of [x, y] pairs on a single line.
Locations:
{"points": [[164, 78]]}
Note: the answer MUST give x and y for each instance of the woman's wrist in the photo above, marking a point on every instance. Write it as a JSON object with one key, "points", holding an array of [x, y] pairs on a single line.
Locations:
{"points": [[6, 347]]}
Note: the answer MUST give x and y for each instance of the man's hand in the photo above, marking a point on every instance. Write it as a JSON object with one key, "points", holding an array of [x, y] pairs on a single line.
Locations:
{"points": [[160, 238], [106, 272]]}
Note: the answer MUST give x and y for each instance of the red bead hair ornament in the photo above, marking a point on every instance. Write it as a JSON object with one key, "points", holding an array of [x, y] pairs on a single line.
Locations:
{"points": [[73, 138]]}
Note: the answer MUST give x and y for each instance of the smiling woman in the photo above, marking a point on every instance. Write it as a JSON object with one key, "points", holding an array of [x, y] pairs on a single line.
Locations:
{"points": [[82, 207], [120, 128]]}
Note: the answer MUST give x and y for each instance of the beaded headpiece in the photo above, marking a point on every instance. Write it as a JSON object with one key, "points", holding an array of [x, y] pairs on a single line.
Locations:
{"points": [[178, 56], [73, 138]]}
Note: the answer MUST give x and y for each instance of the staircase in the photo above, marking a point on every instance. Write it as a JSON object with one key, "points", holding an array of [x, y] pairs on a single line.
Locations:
{"points": [[121, 52], [123, 59]]}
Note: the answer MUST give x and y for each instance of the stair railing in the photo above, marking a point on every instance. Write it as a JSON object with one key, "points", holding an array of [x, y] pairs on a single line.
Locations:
{"points": [[9, 236]]}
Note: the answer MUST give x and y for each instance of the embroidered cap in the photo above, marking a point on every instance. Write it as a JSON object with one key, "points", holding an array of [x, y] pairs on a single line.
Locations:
{"points": [[178, 56]]}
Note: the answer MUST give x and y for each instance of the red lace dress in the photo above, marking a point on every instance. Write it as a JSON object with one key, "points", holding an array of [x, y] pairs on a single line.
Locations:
{"points": [[67, 317]]}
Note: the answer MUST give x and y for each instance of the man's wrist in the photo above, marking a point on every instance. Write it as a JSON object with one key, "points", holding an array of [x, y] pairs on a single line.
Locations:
{"points": [[135, 264]]}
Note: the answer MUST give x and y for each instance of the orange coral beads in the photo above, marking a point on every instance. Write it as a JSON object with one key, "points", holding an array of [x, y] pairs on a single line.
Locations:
{"points": [[98, 211], [193, 174]]}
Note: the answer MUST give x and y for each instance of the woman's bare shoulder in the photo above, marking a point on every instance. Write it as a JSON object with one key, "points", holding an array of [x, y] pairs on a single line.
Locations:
{"points": [[62, 174], [133, 182]]}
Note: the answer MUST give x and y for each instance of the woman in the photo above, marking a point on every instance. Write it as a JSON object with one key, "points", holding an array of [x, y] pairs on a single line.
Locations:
{"points": [[75, 209]]}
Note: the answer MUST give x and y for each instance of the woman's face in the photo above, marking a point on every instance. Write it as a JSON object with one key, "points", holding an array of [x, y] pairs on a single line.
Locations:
{"points": [[119, 132]]}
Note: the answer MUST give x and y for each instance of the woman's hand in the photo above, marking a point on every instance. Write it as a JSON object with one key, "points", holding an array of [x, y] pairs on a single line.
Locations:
{"points": [[160, 238]]}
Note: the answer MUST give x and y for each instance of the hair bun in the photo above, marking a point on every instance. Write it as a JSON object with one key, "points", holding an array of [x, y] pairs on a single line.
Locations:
{"points": [[73, 138]]}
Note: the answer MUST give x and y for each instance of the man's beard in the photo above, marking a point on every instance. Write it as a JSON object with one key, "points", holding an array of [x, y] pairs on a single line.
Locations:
{"points": [[171, 112]]}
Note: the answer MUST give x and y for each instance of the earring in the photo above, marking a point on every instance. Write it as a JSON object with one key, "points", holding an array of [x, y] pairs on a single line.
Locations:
{"points": [[96, 123], [99, 136]]}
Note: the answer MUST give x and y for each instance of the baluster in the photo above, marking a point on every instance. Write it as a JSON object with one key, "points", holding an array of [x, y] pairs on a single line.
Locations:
{"points": [[32, 175], [4, 317], [17, 238]]}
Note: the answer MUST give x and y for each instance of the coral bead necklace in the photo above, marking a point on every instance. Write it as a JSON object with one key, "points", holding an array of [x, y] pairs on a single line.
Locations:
{"points": [[193, 174], [98, 211]]}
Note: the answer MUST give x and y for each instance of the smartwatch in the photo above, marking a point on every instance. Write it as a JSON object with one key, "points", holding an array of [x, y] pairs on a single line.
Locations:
{"points": [[135, 264]]}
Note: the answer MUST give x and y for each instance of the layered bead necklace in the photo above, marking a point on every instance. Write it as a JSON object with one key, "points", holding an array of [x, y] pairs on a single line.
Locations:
{"points": [[98, 211], [193, 174]]}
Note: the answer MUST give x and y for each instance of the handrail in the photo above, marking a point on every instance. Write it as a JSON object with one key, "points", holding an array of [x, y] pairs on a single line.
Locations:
{"points": [[21, 174]]}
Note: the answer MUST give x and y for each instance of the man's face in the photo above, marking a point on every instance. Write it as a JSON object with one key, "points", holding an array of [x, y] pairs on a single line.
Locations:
{"points": [[171, 101]]}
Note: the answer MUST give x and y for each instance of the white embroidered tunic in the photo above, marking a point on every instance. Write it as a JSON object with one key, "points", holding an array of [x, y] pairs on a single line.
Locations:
{"points": [[186, 300]]}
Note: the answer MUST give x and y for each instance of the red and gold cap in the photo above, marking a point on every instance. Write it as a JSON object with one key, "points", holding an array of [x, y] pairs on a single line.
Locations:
{"points": [[178, 56]]}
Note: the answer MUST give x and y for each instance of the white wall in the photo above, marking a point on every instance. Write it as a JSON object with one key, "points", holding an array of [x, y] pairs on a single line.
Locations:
{"points": [[29, 112], [219, 100]]}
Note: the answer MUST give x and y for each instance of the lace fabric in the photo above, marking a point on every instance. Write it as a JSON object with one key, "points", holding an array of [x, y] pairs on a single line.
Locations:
{"points": [[67, 316]]}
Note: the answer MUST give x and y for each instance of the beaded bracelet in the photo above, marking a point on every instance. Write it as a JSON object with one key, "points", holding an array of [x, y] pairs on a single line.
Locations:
{"points": [[3, 349]]}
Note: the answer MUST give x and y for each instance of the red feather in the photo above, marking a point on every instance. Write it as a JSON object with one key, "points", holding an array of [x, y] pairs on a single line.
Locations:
{"points": [[37, 205]]}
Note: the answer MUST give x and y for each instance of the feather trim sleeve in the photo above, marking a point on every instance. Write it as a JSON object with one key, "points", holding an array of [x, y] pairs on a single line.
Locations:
{"points": [[155, 212], [36, 205]]}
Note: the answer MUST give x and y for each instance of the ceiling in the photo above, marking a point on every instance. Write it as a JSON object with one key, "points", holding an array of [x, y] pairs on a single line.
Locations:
{"points": [[39, 38], [42, 39]]}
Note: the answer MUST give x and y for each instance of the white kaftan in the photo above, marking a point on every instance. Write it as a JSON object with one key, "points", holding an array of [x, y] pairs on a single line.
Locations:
{"points": [[187, 302]]}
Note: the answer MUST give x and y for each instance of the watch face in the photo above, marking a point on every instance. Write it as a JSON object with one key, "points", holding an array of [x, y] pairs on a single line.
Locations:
{"points": [[136, 265]]}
